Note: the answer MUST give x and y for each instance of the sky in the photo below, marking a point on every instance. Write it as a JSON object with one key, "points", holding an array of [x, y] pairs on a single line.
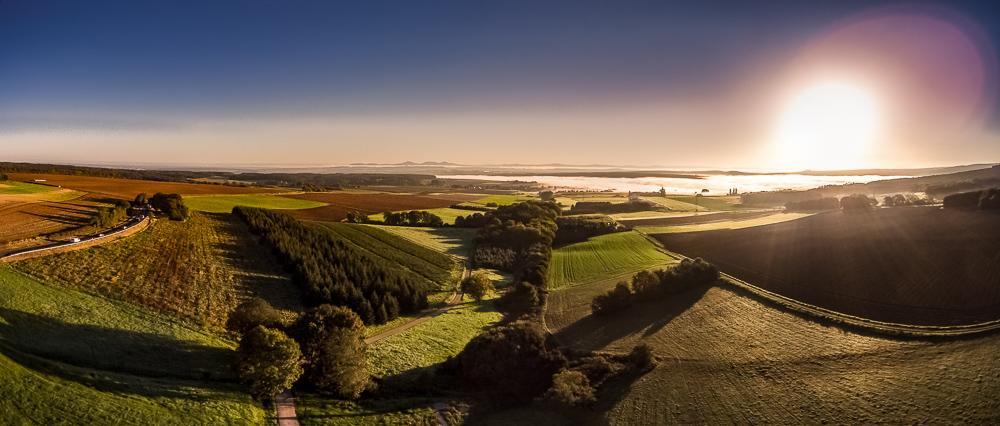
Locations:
{"points": [[671, 84]]}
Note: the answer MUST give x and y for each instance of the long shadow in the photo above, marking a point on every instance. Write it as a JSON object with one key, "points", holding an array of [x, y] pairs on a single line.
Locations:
{"points": [[597, 332], [262, 274], [65, 220], [30, 337]]}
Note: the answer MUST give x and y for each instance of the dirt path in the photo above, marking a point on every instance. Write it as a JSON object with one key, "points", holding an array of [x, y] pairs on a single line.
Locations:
{"points": [[424, 316], [284, 406]]}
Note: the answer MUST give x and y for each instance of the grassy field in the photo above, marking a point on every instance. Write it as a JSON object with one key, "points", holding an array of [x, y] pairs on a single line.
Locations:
{"points": [[503, 199], [907, 265], [67, 357], [199, 269], [128, 188], [225, 203], [13, 187], [453, 241], [317, 410], [603, 257], [726, 358], [438, 269], [714, 203], [715, 222], [433, 341]]}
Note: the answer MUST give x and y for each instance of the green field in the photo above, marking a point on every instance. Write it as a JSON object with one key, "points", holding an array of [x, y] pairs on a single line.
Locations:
{"points": [[453, 241], [710, 203], [503, 199], [433, 341], [199, 269], [317, 410], [11, 187], [438, 269], [71, 358], [722, 224], [225, 203], [603, 257]]}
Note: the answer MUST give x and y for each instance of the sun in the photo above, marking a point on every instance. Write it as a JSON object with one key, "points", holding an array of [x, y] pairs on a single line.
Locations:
{"points": [[828, 125]]}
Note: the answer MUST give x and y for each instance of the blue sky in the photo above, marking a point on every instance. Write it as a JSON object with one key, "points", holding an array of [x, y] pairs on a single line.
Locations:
{"points": [[103, 77]]}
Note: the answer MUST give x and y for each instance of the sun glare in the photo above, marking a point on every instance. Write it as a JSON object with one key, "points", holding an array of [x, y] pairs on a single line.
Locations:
{"points": [[830, 125]]}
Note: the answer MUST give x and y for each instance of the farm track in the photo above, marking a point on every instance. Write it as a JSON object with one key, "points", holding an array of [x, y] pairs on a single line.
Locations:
{"points": [[425, 316]]}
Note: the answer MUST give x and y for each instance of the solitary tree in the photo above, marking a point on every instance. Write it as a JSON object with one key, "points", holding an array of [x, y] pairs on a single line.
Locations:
{"points": [[477, 285], [268, 362], [571, 388]]}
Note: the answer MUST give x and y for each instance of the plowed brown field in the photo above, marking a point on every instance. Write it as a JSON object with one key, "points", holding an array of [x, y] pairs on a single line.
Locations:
{"points": [[128, 188], [22, 220], [908, 265]]}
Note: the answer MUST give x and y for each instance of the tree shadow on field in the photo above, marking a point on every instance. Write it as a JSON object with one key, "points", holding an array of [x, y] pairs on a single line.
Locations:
{"points": [[597, 332], [259, 272], [110, 359], [62, 219]]}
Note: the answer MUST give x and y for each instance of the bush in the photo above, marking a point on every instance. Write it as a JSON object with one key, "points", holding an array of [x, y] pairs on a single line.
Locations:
{"points": [[171, 205], [613, 301], [106, 217], [857, 203], [515, 361], [252, 313], [477, 285], [641, 358], [268, 362], [987, 199], [571, 387], [333, 343]]}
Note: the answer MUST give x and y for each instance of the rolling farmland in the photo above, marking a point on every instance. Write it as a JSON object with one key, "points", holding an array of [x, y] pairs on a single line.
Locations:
{"points": [[712, 222], [726, 358], [225, 203], [128, 188], [69, 357], [199, 269], [908, 265], [603, 257], [453, 241]]}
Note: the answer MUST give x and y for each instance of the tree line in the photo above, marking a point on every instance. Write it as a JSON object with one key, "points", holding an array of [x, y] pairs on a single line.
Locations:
{"points": [[653, 285], [331, 271], [575, 229]]}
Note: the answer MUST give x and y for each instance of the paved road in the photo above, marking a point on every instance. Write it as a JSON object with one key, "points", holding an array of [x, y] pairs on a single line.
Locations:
{"points": [[128, 224]]}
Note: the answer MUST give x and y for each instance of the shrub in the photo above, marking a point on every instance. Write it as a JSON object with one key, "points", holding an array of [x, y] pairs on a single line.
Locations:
{"points": [[333, 343], [252, 313], [171, 205], [477, 286], [513, 361], [857, 203], [268, 362], [571, 387], [614, 300], [641, 357]]}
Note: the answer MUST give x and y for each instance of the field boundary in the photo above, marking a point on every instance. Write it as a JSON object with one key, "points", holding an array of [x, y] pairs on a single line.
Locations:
{"points": [[849, 321]]}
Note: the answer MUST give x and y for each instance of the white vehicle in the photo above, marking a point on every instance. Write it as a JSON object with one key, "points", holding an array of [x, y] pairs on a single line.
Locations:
{"points": [[75, 240]]}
